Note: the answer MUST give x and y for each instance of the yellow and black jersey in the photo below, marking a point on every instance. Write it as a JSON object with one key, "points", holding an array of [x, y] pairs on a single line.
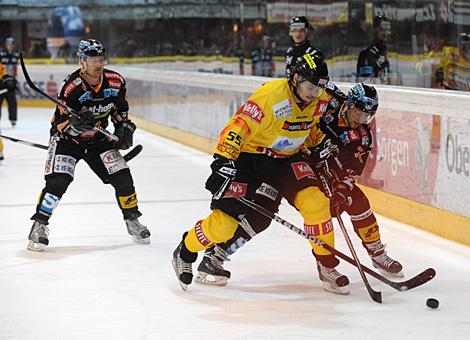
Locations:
{"points": [[270, 122], [105, 100]]}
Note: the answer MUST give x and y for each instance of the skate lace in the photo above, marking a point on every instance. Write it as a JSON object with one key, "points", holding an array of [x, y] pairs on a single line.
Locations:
{"points": [[330, 273], [41, 230], [184, 267], [384, 260]]}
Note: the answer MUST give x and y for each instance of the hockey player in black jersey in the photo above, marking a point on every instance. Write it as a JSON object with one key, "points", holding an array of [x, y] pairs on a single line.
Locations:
{"points": [[9, 58], [345, 123], [372, 63], [298, 31], [98, 94]]}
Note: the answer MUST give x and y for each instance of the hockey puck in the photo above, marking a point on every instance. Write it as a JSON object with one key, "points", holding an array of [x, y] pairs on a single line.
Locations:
{"points": [[432, 303]]}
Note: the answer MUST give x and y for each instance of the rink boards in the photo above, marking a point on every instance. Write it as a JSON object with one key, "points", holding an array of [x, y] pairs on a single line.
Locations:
{"points": [[419, 173]]}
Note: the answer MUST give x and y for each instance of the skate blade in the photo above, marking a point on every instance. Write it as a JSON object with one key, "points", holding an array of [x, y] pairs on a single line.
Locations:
{"points": [[336, 290], [36, 246], [397, 275], [183, 285], [139, 240], [211, 280]]}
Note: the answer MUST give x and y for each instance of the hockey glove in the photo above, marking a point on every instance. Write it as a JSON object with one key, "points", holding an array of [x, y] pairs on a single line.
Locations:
{"points": [[223, 172], [321, 152], [341, 197], [125, 132], [81, 122]]}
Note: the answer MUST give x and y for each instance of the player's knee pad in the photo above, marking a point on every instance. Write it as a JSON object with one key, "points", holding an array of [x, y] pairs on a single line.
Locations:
{"points": [[315, 209], [216, 228]]}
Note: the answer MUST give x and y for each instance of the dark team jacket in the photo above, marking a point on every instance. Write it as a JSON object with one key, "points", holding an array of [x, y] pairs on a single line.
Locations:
{"points": [[296, 51], [373, 61], [10, 60], [354, 144], [105, 100]]}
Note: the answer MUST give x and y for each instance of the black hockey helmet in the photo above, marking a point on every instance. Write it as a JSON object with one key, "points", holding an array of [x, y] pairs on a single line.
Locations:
{"points": [[381, 21], [364, 98], [9, 40], [90, 48], [312, 68], [299, 23]]}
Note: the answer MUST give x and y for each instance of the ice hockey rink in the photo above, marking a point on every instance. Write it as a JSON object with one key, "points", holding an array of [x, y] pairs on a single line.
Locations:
{"points": [[93, 282]]}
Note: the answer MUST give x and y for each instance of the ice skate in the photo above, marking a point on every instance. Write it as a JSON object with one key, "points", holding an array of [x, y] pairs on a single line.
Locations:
{"points": [[211, 270], [332, 280], [384, 263], [183, 270], [139, 233], [38, 237]]}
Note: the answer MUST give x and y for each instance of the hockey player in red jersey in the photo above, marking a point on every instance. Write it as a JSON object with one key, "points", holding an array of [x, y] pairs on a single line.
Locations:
{"points": [[346, 124], [97, 94], [257, 157]]}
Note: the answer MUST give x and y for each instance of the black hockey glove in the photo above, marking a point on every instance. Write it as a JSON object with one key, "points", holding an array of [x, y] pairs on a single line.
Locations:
{"points": [[81, 122], [11, 84], [223, 172], [125, 132]]}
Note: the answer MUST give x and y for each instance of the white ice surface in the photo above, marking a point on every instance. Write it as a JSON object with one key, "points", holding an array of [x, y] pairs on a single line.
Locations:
{"points": [[92, 282]]}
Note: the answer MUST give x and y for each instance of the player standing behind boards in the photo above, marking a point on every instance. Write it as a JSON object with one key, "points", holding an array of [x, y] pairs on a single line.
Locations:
{"points": [[372, 63], [9, 58], [98, 94], [298, 31]]}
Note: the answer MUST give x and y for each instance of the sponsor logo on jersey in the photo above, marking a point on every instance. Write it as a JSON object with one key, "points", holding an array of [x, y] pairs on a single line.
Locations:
{"points": [[328, 118], [267, 191], [312, 230], [64, 164], [84, 97], [283, 143], [110, 93], [236, 190], [297, 126], [128, 202], [201, 237], [301, 170], [49, 203], [113, 161], [252, 111], [353, 135], [97, 109], [321, 108], [113, 75], [334, 102], [283, 109], [115, 84], [50, 156], [345, 138], [327, 227]]}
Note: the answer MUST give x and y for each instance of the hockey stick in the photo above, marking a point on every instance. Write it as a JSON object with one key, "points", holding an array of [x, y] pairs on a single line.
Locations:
{"points": [[68, 109], [414, 282], [128, 156], [375, 295]]}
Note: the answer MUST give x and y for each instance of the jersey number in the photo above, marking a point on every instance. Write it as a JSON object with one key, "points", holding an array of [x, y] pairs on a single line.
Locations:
{"points": [[232, 136]]}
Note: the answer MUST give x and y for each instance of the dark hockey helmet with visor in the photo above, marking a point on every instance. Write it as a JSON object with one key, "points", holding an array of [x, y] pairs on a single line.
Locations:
{"points": [[90, 48], [9, 40], [365, 99], [312, 68], [299, 23]]}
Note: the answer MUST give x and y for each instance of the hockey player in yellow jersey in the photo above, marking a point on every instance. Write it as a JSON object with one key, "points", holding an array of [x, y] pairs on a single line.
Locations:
{"points": [[258, 157], [453, 70]]}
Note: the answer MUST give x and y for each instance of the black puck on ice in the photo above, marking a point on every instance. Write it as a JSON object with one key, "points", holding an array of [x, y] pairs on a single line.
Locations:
{"points": [[432, 303]]}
